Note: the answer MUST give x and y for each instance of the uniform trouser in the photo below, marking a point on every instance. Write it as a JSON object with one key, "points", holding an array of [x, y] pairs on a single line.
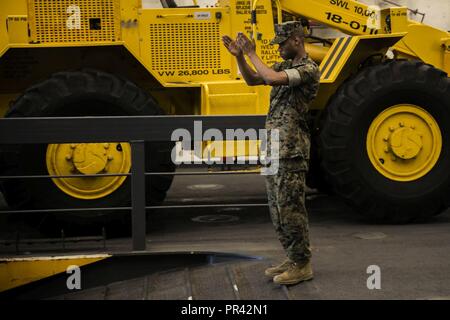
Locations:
{"points": [[286, 197]]}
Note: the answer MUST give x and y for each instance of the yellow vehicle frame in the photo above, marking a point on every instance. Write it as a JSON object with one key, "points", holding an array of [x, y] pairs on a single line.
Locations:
{"points": [[180, 47]]}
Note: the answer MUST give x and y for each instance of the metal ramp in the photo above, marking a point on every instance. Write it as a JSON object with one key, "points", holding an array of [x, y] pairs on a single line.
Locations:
{"points": [[169, 276], [224, 281]]}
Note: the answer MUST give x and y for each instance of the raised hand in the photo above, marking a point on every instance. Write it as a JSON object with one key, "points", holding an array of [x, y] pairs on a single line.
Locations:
{"points": [[232, 46], [245, 44]]}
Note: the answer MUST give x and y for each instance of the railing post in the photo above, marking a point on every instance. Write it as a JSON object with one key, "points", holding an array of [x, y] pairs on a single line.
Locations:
{"points": [[138, 195]]}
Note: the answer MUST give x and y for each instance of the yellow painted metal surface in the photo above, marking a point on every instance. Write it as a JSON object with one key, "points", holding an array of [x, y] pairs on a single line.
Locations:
{"points": [[229, 97], [349, 50], [316, 52], [399, 19], [184, 46], [446, 58], [15, 272], [221, 149], [344, 57], [9, 8], [192, 35], [404, 143], [334, 62], [351, 17], [89, 159], [431, 51], [354, 18], [129, 24], [74, 21], [17, 26]]}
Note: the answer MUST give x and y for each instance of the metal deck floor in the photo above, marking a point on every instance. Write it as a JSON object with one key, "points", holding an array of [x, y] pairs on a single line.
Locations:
{"points": [[414, 259]]}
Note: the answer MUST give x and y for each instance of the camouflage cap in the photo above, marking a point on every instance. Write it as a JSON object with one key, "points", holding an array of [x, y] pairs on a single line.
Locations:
{"points": [[284, 31]]}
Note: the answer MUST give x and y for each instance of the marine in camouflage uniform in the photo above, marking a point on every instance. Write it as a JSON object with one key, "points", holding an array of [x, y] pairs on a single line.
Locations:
{"points": [[286, 189], [289, 104]]}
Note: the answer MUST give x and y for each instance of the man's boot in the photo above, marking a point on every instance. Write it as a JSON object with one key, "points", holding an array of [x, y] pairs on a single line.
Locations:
{"points": [[295, 274], [274, 271]]}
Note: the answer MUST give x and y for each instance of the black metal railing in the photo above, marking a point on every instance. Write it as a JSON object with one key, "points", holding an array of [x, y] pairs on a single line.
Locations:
{"points": [[136, 130]]}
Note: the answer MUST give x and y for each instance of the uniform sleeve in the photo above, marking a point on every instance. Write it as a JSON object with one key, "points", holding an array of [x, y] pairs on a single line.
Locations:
{"points": [[276, 66], [303, 74]]}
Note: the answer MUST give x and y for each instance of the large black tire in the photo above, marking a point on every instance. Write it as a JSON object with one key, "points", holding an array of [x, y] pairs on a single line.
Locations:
{"points": [[80, 93], [343, 137]]}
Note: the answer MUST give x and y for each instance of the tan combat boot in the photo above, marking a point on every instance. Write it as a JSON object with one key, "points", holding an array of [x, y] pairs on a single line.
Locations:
{"points": [[295, 274], [274, 271]]}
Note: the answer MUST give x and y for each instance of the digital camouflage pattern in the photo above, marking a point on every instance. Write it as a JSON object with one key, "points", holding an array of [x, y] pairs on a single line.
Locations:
{"points": [[284, 31], [289, 106], [286, 198]]}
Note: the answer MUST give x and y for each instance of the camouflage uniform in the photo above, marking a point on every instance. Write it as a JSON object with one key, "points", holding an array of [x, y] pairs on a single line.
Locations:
{"points": [[286, 189]]}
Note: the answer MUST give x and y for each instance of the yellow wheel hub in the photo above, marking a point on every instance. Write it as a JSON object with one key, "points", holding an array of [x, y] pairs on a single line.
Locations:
{"points": [[404, 143], [89, 159]]}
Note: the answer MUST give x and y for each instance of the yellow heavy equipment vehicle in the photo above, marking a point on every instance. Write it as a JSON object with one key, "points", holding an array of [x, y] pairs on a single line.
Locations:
{"points": [[380, 125]]}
